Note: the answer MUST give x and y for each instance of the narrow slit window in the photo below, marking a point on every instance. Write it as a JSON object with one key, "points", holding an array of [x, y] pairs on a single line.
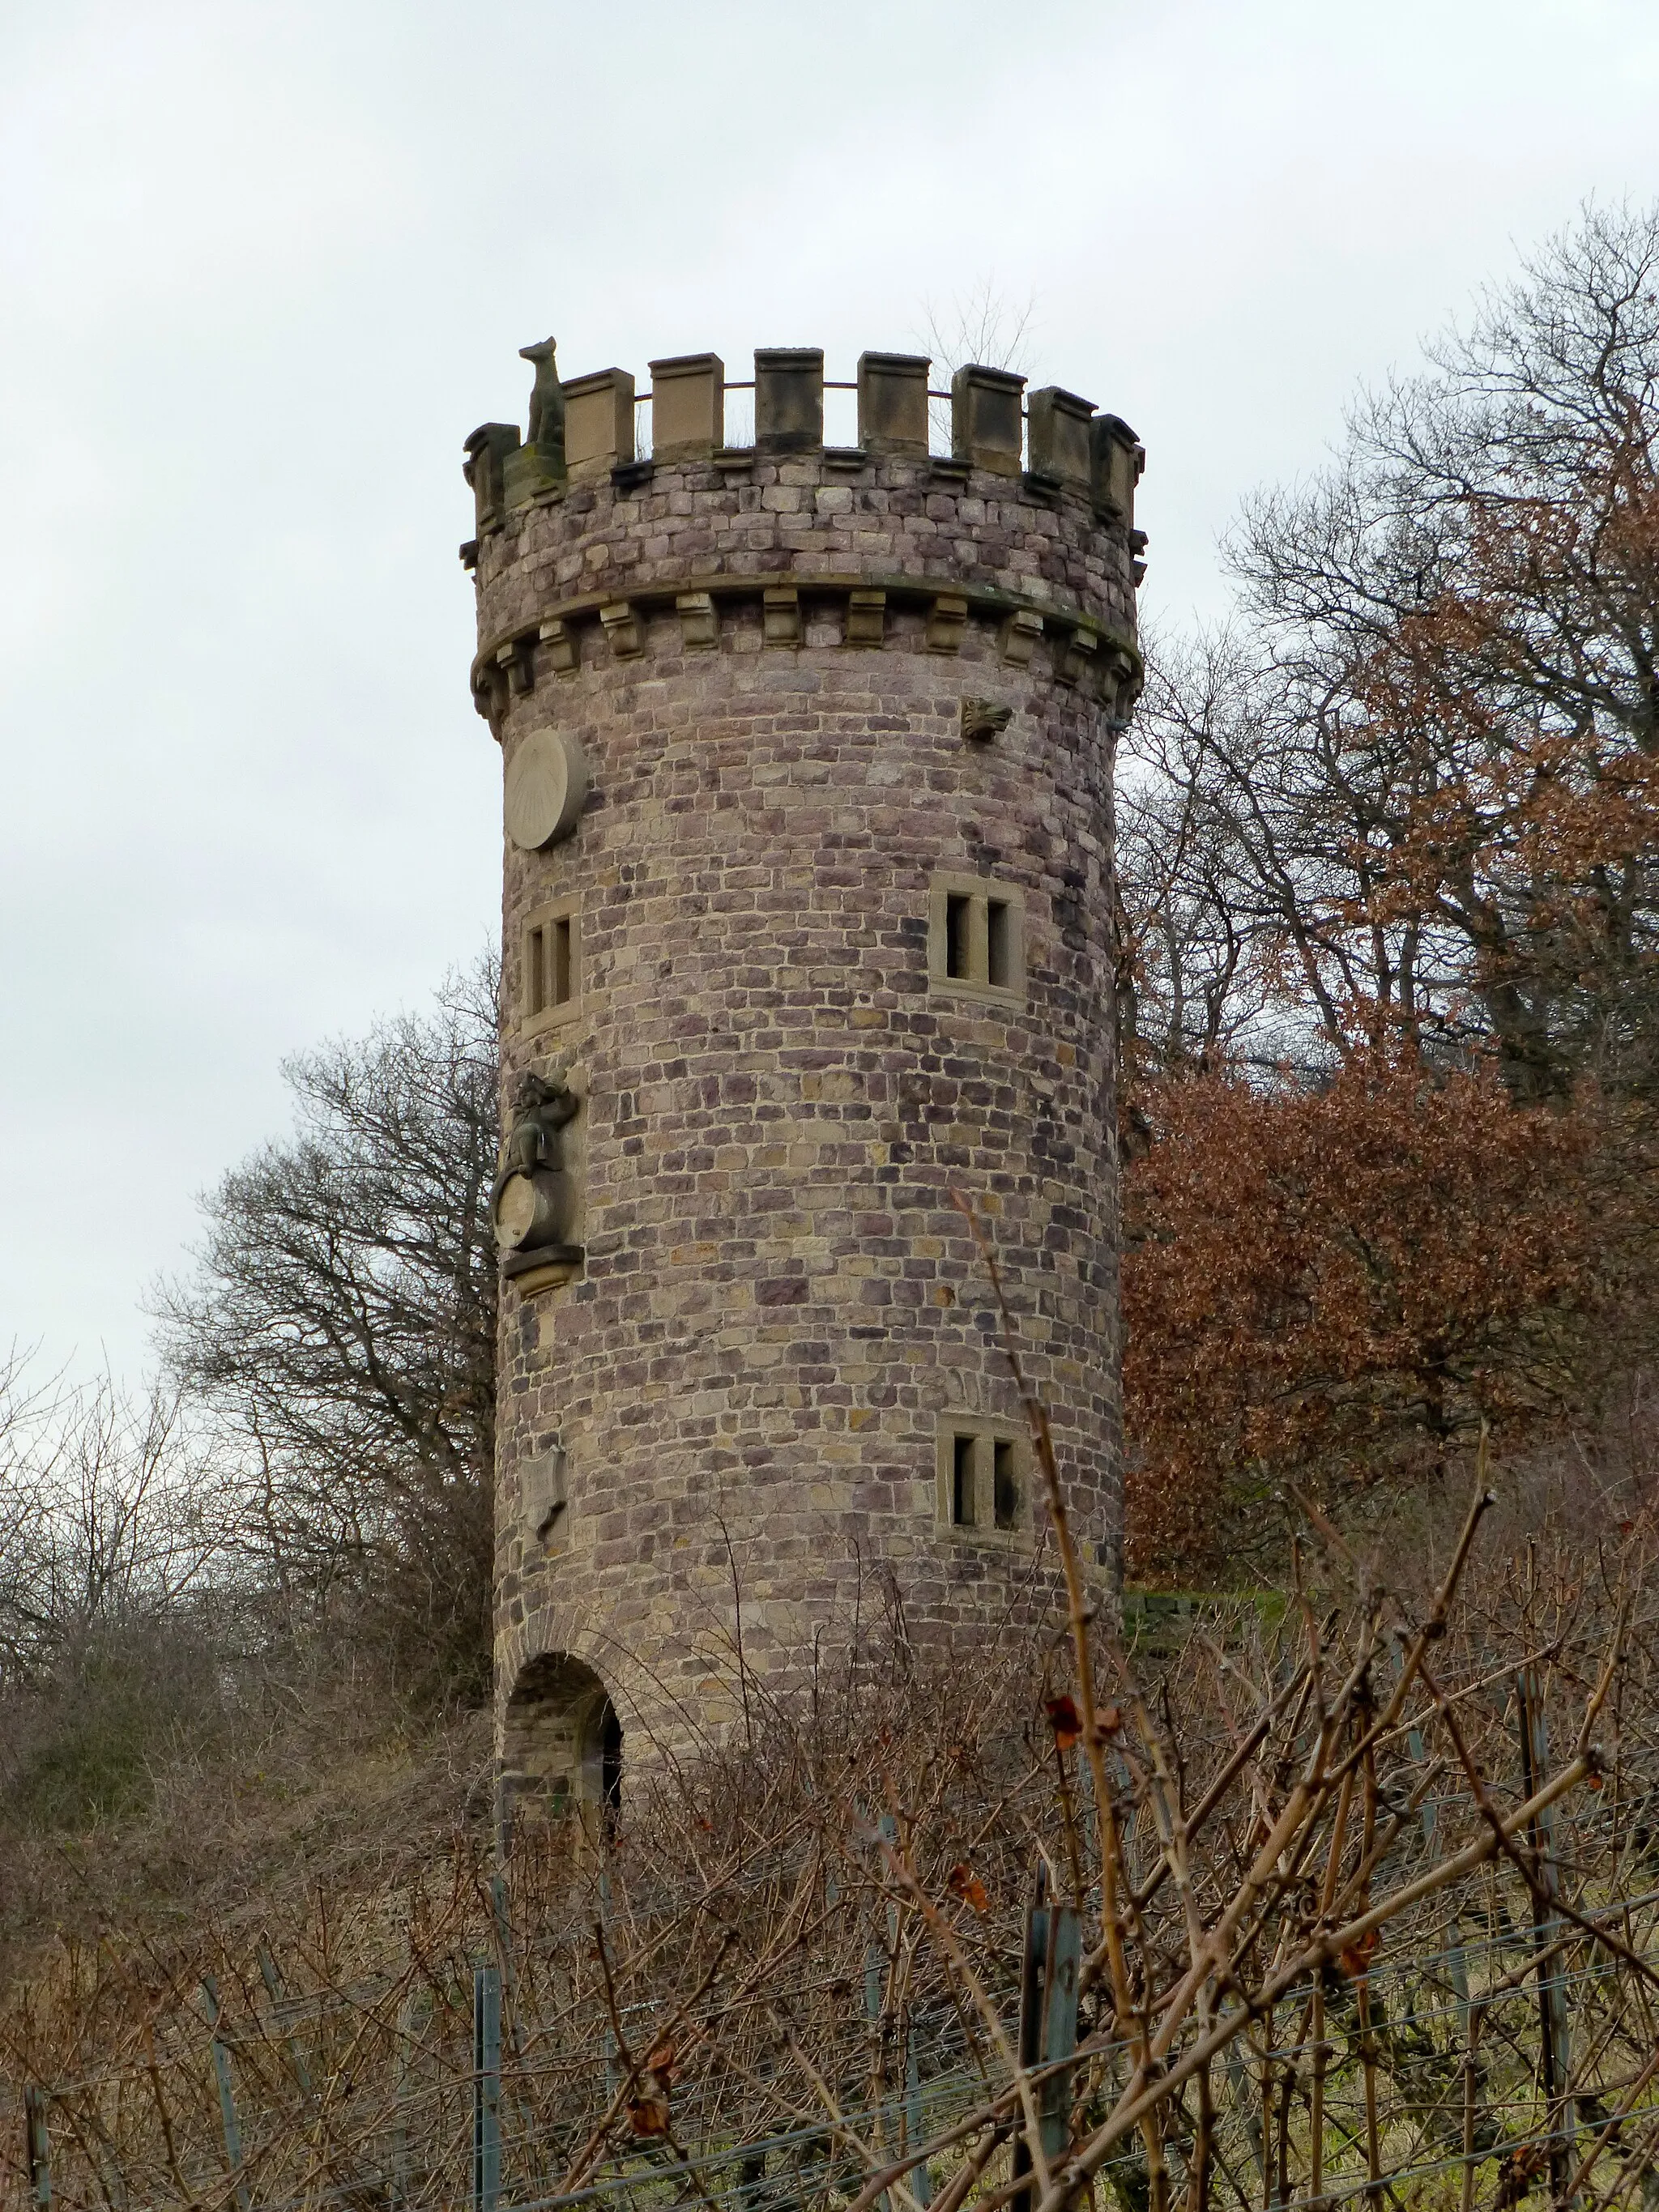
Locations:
{"points": [[1006, 1484], [962, 1481], [976, 935], [552, 960], [982, 1488], [999, 944], [958, 926]]}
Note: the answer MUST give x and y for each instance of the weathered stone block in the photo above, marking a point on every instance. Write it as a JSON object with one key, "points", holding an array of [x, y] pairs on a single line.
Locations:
{"points": [[1076, 658], [687, 407], [1019, 636], [893, 403], [621, 630], [782, 615], [599, 423], [1061, 440], [947, 622], [1119, 458], [987, 430], [487, 451], [698, 620], [559, 647], [788, 399]]}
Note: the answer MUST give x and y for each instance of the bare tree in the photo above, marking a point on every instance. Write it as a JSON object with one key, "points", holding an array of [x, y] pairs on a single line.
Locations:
{"points": [[1268, 839], [1442, 773], [340, 1331], [109, 1515], [1203, 944], [981, 325]]}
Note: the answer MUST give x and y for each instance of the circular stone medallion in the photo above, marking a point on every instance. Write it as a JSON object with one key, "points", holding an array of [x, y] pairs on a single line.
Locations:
{"points": [[546, 784]]}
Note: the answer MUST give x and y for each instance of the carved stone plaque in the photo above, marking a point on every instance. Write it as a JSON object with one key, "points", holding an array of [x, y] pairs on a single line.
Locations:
{"points": [[546, 785]]}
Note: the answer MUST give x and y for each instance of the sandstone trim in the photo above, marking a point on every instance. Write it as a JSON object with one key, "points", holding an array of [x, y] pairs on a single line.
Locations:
{"points": [[949, 604]]}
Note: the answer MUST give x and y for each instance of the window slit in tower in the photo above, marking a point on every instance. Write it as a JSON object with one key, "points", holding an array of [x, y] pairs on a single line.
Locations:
{"points": [[961, 1482], [958, 913], [535, 984], [998, 949], [1004, 1485], [551, 962]]}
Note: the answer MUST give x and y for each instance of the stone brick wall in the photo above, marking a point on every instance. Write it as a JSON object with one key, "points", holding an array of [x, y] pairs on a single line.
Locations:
{"points": [[764, 659]]}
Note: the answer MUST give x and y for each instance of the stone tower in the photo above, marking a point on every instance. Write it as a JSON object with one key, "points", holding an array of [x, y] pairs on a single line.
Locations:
{"points": [[808, 923]]}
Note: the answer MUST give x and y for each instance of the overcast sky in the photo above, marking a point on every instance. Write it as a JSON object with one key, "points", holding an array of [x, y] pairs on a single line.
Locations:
{"points": [[263, 267]]}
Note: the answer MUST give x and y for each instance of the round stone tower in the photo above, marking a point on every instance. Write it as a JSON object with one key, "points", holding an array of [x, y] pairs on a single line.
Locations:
{"points": [[808, 926]]}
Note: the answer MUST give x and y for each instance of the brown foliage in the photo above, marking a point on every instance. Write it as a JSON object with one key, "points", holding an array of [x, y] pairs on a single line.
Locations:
{"points": [[1336, 1286]]}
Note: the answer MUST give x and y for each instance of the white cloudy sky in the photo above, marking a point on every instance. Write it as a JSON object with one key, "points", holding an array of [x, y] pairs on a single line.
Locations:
{"points": [[263, 266]]}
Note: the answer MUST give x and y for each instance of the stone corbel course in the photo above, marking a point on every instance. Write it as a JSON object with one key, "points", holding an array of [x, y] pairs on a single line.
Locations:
{"points": [[1085, 655]]}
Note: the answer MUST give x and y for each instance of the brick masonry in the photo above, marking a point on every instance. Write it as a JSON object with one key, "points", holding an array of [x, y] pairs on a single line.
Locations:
{"points": [[745, 1380]]}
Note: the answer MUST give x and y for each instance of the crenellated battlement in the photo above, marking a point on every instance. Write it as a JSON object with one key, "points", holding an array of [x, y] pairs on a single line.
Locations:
{"points": [[598, 426]]}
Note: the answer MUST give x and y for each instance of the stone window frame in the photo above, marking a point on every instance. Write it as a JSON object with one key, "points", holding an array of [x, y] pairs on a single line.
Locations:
{"points": [[985, 1434], [980, 895], [533, 1019]]}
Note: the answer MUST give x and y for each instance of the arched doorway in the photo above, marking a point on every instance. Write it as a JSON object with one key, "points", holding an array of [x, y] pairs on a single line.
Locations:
{"points": [[561, 1745]]}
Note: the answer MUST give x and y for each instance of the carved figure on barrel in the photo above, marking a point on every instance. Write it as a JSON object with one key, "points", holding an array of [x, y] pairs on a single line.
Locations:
{"points": [[532, 1203]]}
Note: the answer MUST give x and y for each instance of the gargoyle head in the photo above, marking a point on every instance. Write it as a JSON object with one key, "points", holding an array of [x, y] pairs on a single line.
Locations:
{"points": [[983, 719]]}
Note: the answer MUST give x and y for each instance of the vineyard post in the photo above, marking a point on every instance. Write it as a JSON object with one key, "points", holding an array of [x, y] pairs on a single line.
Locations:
{"points": [[228, 2120], [40, 2146], [282, 2015], [875, 1977], [403, 2156], [1554, 2033], [1048, 2026], [486, 2088]]}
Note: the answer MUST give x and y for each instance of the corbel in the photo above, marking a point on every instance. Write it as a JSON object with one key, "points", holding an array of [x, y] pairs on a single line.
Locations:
{"points": [[621, 628], [866, 618], [558, 641], [698, 620], [947, 622], [1076, 658], [514, 658], [1019, 636], [780, 615]]}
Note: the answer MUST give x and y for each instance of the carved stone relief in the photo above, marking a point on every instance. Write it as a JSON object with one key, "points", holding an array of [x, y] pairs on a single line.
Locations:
{"points": [[532, 1203]]}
